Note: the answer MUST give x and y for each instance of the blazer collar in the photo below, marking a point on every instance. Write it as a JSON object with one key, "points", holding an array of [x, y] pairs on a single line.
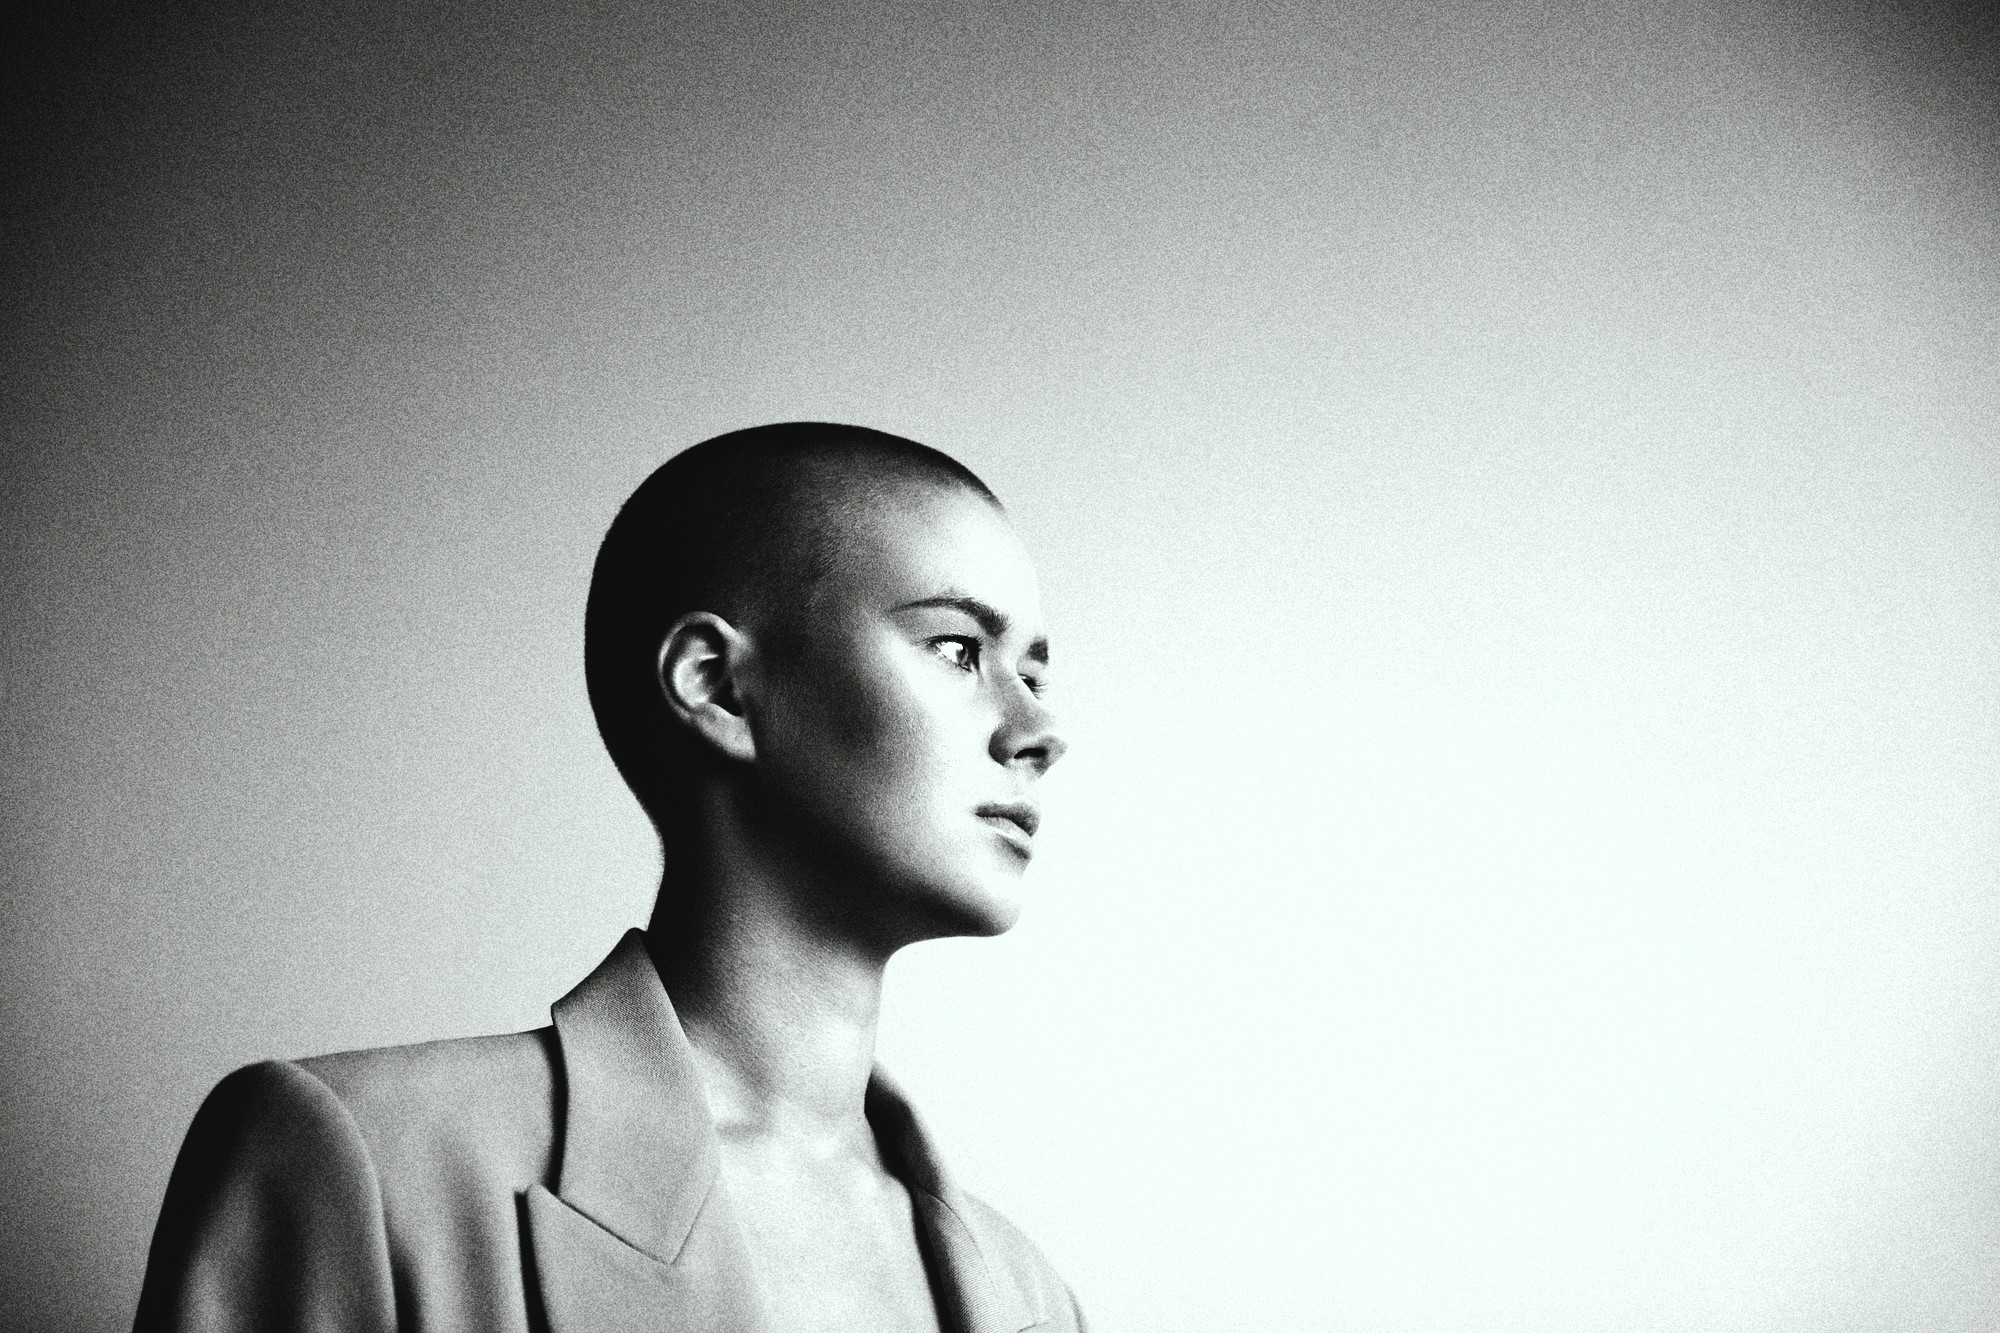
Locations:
{"points": [[640, 1161], [639, 1152]]}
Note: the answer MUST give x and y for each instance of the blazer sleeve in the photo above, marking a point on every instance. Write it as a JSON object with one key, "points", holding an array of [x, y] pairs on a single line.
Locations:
{"points": [[273, 1217]]}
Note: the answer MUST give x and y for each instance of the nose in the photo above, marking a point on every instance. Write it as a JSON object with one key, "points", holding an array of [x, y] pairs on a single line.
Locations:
{"points": [[1027, 734]]}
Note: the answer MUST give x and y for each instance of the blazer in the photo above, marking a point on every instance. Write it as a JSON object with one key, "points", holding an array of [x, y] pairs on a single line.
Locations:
{"points": [[564, 1179]]}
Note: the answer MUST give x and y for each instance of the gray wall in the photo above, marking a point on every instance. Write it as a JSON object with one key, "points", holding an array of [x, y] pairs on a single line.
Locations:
{"points": [[1517, 492]]}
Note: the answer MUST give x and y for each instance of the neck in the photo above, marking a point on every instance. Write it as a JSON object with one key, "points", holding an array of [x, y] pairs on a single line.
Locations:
{"points": [[780, 1010]]}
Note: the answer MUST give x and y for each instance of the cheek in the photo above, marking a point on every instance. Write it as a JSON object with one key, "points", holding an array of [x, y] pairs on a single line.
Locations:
{"points": [[910, 745], [905, 752], [863, 738]]}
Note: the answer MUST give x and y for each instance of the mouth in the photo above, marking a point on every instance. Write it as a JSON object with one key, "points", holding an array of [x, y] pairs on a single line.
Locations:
{"points": [[1016, 819]]}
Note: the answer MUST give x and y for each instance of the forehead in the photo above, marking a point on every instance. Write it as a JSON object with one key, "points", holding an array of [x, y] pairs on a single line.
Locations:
{"points": [[900, 544]]}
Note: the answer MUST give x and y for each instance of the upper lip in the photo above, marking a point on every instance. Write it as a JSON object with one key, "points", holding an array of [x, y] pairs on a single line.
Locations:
{"points": [[1021, 812]]}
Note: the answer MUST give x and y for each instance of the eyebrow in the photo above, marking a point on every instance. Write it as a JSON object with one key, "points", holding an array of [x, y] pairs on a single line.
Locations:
{"points": [[989, 618]]}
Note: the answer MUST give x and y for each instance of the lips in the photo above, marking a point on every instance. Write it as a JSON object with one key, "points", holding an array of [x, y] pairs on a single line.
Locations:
{"points": [[1019, 814]]}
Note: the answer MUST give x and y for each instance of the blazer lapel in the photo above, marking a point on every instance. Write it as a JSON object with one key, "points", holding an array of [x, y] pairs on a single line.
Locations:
{"points": [[636, 1236], [592, 1281]]}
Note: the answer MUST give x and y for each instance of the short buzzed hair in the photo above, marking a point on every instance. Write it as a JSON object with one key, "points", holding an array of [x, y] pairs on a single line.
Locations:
{"points": [[741, 525]]}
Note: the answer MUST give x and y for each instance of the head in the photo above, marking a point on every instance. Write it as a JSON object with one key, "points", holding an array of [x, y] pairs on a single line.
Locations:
{"points": [[830, 639]]}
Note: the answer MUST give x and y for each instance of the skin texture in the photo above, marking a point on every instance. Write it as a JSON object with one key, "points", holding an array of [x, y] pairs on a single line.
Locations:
{"points": [[877, 745]]}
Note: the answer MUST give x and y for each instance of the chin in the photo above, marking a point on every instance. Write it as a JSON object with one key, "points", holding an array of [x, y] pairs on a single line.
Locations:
{"points": [[994, 915], [976, 906]]}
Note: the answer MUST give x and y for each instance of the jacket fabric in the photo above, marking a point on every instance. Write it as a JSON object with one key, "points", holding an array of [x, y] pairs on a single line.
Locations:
{"points": [[564, 1179]]}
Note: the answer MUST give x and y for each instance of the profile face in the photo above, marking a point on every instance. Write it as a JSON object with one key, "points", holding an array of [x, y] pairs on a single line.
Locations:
{"points": [[902, 723]]}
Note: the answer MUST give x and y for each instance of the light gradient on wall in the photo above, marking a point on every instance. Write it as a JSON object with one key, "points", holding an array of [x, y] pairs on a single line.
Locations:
{"points": [[1516, 489]]}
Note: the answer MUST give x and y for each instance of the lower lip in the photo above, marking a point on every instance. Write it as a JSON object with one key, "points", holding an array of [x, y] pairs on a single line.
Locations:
{"points": [[1016, 836]]}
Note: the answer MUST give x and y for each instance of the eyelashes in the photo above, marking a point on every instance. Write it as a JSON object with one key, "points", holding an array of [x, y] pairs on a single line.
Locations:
{"points": [[963, 653]]}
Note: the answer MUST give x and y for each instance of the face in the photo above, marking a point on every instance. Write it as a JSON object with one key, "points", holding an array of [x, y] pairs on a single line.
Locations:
{"points": [[901, 728]]}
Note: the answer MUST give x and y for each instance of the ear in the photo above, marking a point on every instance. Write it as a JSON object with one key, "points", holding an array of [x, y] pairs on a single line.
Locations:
{"points": [[701, 662]]}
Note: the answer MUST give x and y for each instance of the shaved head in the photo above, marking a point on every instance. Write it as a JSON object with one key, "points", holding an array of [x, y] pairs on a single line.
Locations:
{"points": [[748, 526]]}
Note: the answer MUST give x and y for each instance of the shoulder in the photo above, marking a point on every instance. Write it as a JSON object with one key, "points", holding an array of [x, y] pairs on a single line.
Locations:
{"points": [[444, 1087], [504, 1086], [442, 1114], [272, 1216], [325, 1185], [265, 1122], [481, 1104]]}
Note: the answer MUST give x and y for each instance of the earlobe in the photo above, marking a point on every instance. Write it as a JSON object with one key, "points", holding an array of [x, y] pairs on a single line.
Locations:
{"points": [[700, 667]]}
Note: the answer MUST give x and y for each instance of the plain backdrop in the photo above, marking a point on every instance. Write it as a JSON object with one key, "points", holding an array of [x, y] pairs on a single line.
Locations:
{"points": [[1516, 489]]}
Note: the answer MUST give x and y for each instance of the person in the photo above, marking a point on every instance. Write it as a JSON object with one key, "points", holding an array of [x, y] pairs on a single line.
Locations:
{"points": [[816, 653]]}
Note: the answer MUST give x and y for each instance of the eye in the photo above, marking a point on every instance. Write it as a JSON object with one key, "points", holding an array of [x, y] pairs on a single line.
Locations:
{"points": [[1037, 685], [961, 652]]}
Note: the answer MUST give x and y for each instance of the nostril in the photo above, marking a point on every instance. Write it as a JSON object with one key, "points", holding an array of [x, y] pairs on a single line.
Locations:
{"points": [[1044, 752]]}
